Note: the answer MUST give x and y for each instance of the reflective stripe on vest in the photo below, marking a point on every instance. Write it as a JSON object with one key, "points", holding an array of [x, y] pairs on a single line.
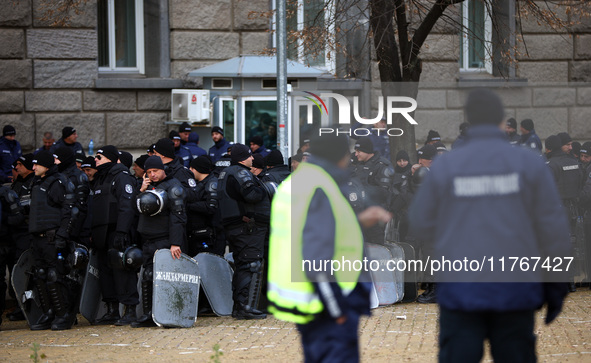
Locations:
{"points": [[291, 295]]}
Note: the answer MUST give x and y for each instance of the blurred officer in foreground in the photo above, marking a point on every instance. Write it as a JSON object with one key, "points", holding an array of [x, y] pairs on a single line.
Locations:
{"points": [[112, 218], [162, 224], [313, 219], [506, 207]]}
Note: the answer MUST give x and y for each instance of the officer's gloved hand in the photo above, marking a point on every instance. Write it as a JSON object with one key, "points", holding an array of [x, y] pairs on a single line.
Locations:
{"points": [[121, 241], [60, 243]]}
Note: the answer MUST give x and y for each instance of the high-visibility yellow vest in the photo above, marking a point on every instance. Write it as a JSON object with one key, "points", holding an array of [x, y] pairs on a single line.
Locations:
{"points": [[291, 295]]}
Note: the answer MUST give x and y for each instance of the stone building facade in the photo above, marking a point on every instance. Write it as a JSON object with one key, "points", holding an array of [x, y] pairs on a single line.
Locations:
{"points": [[50, 78]]}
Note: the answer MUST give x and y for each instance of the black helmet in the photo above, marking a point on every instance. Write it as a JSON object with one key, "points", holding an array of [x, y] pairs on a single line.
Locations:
{"points": [[151, 202], [79, 258], [420, 175], [131, 259]]}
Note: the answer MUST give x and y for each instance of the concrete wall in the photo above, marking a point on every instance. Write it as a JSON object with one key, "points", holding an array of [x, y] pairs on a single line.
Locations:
{"points": [[48, 74]]}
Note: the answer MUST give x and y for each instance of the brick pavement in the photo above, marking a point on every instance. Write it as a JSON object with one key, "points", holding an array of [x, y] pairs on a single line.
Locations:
{"points": [[384, 337]]}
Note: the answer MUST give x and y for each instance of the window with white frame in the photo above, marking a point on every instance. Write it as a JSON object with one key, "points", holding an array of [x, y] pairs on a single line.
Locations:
{"points": [[475, 52], [121, 36], [311, 33]]}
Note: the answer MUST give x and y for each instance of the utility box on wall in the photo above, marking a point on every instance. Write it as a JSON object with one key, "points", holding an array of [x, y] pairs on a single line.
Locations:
{"points": [[190, 105]]}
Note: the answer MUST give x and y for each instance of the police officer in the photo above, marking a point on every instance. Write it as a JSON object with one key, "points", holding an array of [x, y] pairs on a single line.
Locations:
{"points": [[66, 165], [585, 202], [174, 167], [52, 200], [258, 168], [220, 146], [568, 177], [204, 216], [529, 138], [113, 214], [511, 131], [312, 216], [257, 146], [469, 209], [68, 139], [48, 142], [138, 169], [240, 198], [184, 132], [21, 238], [402, 169], [10, 150], [193, 145], [89, 167], [180, 151], [566, 143], [276, 170], [461, 139], [162, 224], [375, 174], [11, 215]]}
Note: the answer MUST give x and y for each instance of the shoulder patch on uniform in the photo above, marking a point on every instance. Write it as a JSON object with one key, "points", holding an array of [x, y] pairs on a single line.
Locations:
{"points": [[192, 183], [128, 188], [353, 197], [533, 145]]}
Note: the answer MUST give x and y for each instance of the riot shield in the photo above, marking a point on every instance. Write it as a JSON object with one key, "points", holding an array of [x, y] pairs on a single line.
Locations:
{"points": [[216, 281], [388, 284], [409, 276], [176, 290], [22, 282], [90, 300]]}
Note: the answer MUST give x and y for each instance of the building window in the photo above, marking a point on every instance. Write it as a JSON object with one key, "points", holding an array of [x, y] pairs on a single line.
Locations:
{"points": [[475, 54], [311, 33], [121, 36]]}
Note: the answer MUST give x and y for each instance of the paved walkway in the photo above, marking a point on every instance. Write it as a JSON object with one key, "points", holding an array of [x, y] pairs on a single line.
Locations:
{"points": [[402, 333]]}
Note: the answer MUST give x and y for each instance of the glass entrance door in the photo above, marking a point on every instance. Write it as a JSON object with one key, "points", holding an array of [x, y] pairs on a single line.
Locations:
{"points": [[260, 119]]}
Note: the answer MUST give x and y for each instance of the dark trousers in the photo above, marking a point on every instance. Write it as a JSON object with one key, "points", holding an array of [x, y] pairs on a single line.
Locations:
{"points": [[116, 285], [324, 340], [148, 249], [247, 246], [462, 335]]}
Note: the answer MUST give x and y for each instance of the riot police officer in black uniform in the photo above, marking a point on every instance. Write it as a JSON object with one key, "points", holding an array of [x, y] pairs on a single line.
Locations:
{"points": [[240, 198], [11, 215], [66, 164], [112, 218], [162, 224], [52, 201], [276, 170], [375, 174], [21, 238], [568, 177], [174, 167], [204, 213]]}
